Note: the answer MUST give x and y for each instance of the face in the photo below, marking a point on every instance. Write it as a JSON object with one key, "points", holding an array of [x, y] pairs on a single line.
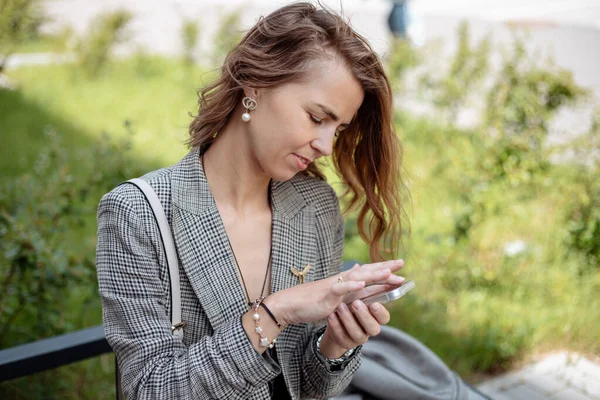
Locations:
{"points": [[298, 122]]}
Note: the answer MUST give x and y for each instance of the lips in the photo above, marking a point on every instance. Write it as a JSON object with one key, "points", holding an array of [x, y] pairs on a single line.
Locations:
{"points": [[301, 162]]}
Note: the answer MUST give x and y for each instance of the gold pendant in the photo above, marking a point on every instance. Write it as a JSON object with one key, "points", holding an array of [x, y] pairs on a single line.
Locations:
{"points": [[299, 274]]}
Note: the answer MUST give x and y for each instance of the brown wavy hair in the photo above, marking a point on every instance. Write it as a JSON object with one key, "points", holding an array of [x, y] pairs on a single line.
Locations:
{"points": [[367, 156]]}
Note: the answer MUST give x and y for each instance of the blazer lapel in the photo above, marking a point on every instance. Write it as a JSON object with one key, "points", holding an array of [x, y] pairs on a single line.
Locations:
{"points": [[204, 251], [202, 244], [294, 236], [294, 245]]}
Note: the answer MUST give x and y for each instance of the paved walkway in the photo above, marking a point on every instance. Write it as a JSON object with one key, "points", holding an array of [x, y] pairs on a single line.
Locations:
{"points": [[562, 376]]}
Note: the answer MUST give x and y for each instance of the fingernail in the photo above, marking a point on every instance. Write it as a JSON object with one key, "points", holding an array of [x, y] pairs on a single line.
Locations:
{"points": [[342, 307], [374, 307], [400, 261], [357, 305]]}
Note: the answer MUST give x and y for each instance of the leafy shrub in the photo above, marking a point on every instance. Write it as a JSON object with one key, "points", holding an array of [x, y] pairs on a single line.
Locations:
{"points": [[189, 35], [583, 213], [40, 214], [227, 37], [510, 149], [401, 58], [469, 65], [93, 49], [19, 21], [526, 95]]}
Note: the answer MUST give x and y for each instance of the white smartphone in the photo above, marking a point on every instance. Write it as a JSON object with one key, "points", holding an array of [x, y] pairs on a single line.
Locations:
{"points": [[393, 294]]}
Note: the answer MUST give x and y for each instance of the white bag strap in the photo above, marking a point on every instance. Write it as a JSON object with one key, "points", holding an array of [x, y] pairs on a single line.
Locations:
{"points": [[169, 245]]}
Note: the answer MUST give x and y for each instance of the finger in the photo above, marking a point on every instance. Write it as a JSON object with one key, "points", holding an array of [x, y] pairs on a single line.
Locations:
{"points": [[369, 276], [358, 273], [351, 325], [393, 265], [367, 321], [341, 336], [344, 287], [394, 280], [380, 313]]}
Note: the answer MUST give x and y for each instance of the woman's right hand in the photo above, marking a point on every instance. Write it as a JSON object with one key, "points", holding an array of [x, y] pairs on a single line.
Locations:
{"points": [[316, 300]]}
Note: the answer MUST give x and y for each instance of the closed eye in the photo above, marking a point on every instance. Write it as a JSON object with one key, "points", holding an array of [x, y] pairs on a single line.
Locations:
{"points": [[320, 121], [315, 120]]}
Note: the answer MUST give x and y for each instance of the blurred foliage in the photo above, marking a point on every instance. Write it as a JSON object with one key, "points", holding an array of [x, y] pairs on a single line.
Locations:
{"points": [[93, 49], [450, 91], [20, 21], [526, 95], [35, 212], [510, 144], [189, 35], [583, 213], [38, 210], [402, 57], [228, 35]]}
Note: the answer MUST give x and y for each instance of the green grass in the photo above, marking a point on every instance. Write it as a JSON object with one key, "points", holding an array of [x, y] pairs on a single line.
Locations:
{"points": [[153, 94], [479, 310]]}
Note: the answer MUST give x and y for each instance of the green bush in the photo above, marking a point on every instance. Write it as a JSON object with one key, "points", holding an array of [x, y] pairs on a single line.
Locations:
{"points": [[189, 35], [19, 22], [40, 214], [93, 50], [227, 37], [34, 210], [510, 153], [583, 213], [401, 58], [527, 94], [449, 91]]}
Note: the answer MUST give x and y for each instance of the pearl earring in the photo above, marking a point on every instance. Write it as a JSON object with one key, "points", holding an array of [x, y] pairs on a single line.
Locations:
{"points": [[250, 104]]}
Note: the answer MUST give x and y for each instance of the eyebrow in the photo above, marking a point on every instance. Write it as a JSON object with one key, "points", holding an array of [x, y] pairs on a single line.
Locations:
{"points": [[331, 114]]}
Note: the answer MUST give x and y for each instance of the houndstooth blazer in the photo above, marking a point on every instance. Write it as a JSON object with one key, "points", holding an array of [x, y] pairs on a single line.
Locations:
{"points": [[215, 359]]}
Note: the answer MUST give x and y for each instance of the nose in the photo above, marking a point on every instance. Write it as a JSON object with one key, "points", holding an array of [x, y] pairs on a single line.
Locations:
{"points": [[324, 142]]}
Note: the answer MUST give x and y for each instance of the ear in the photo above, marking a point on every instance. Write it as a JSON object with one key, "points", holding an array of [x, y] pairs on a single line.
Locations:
{"points": [[252, 92]]}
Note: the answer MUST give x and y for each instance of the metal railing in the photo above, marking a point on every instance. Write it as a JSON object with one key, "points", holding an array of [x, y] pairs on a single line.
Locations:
{"points": [[41, 355]]}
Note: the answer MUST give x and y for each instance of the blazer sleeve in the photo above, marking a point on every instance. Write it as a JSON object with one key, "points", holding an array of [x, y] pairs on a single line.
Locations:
{"points": [[155, 364], [320, 380]]}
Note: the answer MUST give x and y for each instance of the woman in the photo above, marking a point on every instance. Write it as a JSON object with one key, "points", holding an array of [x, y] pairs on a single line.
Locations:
{"points": [[258, 230]]}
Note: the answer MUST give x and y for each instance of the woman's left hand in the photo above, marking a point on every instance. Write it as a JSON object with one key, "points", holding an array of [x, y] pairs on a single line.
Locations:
{"points": [[352, 325]]}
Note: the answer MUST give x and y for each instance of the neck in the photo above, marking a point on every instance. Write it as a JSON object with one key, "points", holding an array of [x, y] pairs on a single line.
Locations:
{"points": [[237, 182]]}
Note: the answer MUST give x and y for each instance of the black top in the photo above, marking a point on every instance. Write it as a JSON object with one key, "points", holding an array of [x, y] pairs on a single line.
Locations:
{"points": [[277, 386]]}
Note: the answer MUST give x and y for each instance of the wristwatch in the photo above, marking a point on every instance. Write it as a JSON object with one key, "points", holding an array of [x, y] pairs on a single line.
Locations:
{"points": [[335, 364]]}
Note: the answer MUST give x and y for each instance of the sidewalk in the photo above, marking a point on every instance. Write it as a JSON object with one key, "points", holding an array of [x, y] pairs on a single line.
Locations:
{"points": [[562, 376]]}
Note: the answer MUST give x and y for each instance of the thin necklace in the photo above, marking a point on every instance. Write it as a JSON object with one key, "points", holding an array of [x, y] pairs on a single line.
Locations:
{"points": [[233, 252]]}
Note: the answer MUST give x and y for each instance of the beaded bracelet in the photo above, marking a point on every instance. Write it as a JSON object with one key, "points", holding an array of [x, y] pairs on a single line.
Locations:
{"points": [[264, 341]]}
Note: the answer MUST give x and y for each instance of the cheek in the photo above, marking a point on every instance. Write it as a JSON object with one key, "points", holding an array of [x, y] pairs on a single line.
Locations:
{"points": [[287, 130]]}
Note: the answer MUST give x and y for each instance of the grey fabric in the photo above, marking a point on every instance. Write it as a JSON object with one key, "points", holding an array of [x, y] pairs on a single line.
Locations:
{"points": [[214, 359], [396, 366]]}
